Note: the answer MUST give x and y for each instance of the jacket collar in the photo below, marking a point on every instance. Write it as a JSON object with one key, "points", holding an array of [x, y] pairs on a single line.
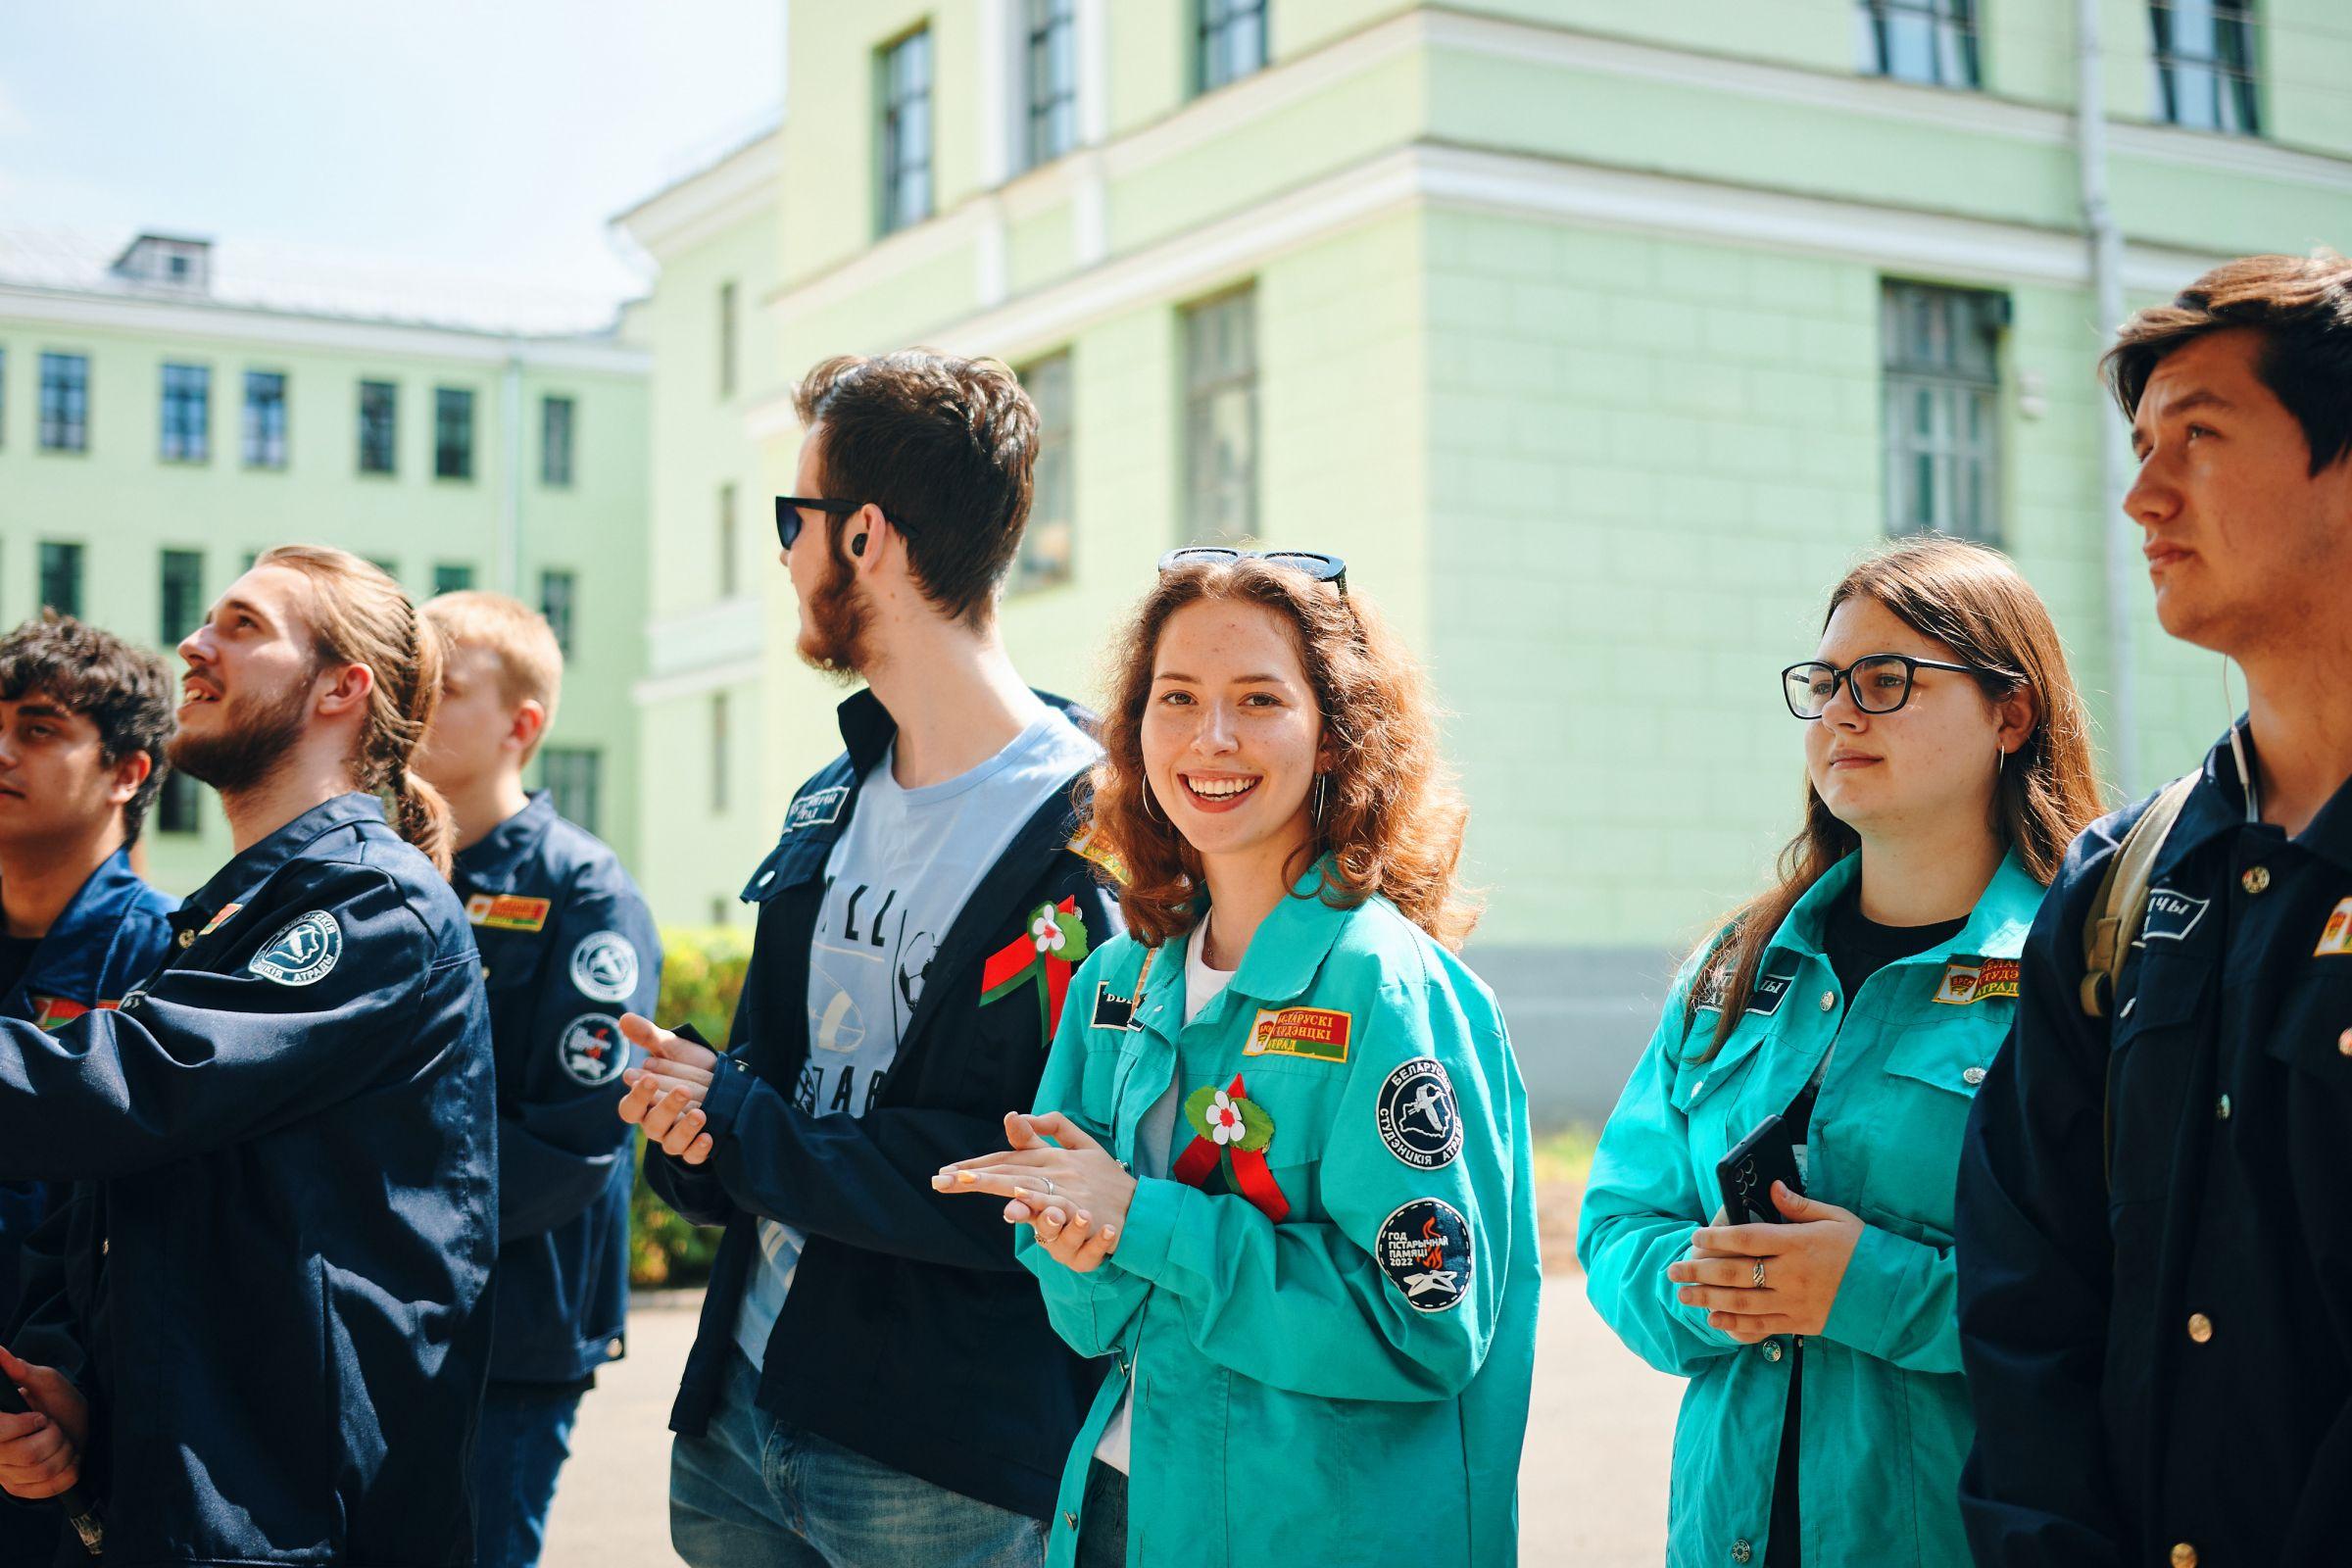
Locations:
{"points": [[493, 861], [71, 961], [1279, 965], [1995, 928], [867, 729], [2217, 806], [258, 863]]}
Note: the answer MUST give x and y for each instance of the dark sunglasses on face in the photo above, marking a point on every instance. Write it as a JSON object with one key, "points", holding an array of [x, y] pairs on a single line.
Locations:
{"points": [[1880, 683], [1322, 568], [788, 515]]}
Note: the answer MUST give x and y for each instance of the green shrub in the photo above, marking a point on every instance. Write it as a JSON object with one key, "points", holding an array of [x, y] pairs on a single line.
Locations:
{"points": [[701, 976]]}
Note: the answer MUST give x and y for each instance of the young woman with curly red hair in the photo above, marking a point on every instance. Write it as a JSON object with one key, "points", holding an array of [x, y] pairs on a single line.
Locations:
{"points": [[1287, 1182]]}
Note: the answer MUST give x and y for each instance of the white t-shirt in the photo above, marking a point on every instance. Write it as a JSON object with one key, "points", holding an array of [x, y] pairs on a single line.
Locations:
{"points": [[1154, 1146], [897, 880]]}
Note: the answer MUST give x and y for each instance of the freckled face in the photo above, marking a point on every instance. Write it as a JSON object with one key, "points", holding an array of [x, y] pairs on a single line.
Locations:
{"points": [[1231, 733]]}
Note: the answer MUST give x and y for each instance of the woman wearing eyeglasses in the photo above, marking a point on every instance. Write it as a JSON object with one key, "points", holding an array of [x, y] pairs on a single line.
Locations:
{"points": [[1288, 1187], [1859, 1000]]}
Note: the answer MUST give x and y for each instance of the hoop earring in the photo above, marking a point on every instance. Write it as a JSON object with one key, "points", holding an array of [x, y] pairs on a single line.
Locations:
{"points": [[1148, 807], [1322, 797]]}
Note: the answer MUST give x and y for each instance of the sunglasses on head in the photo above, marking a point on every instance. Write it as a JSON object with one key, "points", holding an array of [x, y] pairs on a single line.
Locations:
{"points": [[1316, 565], [788, 515]]}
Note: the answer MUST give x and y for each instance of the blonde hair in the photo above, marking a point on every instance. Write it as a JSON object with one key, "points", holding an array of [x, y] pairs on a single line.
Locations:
{"points": [[360, 616], [530, 661]]}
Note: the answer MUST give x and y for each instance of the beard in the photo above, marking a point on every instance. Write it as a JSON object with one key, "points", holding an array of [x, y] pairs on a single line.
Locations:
{"points": [[834, 625], [258, 733]]}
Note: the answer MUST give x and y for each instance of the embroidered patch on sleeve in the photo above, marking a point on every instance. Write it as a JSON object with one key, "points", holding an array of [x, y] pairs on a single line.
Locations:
{"points": [[302, 952], [1968, 981], [1319, 1034], [603, 967], [2337, 937], [593, 1049], [1418, 1117], [506, 911], [1424, 1248], [1089, 846]]}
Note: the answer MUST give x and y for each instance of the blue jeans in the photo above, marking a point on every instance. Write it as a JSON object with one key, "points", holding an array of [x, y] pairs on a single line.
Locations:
{"points": [[525, 1438], [754, 1492]]}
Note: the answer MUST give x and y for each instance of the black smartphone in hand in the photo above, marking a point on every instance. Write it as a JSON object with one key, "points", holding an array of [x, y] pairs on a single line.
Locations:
{"points": [[1748, 1172]]}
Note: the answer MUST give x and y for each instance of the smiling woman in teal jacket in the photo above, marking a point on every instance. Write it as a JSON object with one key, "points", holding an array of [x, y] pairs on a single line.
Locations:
{"points": [[1860, 1000], [1317, 1285]]}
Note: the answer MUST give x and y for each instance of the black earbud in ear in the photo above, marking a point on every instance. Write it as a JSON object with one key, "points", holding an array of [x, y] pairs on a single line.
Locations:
{"points": [[858, 546]]}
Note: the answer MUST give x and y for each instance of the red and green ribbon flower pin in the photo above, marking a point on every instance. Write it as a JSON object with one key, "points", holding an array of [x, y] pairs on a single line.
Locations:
{"points": [[1054, 945], [1233, 1132]]}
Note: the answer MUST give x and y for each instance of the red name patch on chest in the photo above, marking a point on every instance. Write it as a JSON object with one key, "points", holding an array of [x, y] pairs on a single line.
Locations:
{"points": [[1967, 981]]}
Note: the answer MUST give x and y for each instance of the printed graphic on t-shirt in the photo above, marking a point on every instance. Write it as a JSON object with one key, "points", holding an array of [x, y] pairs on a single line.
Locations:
{"points": [[865, 973]]}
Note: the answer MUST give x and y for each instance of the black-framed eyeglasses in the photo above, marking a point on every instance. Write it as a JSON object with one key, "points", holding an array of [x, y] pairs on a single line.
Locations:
{"points": [[1316, 565], [788, 515], [1879, 683]]}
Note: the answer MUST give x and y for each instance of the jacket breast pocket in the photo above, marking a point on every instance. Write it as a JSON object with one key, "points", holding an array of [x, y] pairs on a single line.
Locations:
{"points": [[1300, 1099], [2153, 1058], [2313, 1032], [1906, 1126]]}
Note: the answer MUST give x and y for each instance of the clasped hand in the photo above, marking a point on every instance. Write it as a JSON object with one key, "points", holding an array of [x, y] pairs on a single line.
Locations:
{"points": [[1070, 1190], [1804, 1263], [666, 1090], [41, 1449]]}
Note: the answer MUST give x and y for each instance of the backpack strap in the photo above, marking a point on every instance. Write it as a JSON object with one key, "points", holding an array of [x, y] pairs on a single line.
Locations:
{"points": [[2122, 901]]}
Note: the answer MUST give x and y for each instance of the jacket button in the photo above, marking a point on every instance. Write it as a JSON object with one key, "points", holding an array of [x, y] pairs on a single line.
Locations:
{"points": [[1742, 1551], [2184, 1556], [1772, 1349], [2200, 1327], [2255, 879], [1829, 1003], [186, 940], [105, 1244], [2343, 1044], [2220, 1106], [1973, 1076], [1069, 1518], [612, 1349]]}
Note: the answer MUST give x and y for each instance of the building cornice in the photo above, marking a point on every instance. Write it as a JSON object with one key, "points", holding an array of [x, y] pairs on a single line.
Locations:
{"points": [[245, 324], [739, 186]]}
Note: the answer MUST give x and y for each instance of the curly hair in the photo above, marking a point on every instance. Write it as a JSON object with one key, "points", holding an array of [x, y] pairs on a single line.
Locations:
{"points": [[127, 692], [1391, 819]]}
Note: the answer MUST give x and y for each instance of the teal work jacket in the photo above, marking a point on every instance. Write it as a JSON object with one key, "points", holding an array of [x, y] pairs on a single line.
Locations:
{"points": [[1327, 1311], [1885, 1423]]}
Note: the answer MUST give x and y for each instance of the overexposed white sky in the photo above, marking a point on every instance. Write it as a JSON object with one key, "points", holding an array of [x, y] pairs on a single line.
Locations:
{"points": [[496, 137]]}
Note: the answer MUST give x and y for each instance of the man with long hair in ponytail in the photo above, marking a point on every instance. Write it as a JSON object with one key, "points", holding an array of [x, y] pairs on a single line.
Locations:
{"points": [[266, 1339]]}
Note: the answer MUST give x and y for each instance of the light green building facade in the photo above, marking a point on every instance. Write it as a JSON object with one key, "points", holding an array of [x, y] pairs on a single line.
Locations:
{"points": [[165, 417], [1598, 339]]}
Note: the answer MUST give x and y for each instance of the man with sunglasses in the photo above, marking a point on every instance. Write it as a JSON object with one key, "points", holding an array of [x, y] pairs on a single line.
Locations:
{"points": [[918, 921]]}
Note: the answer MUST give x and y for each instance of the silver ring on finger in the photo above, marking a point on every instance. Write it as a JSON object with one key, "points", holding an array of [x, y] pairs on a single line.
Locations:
{"points": [[1049, 1186], [1755, 1276]]}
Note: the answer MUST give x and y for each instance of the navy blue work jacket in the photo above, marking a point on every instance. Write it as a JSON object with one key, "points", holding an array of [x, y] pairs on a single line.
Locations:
{"points": [[568, 947], [2160, 1352], [110, 937], [273, 1291], [912, 1335]]}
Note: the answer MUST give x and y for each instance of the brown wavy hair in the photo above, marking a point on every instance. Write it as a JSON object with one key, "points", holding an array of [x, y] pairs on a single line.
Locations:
{"points": [[1973, 601], [1391, 819]]}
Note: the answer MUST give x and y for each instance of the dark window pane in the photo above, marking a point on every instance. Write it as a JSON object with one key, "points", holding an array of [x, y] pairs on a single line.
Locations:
{"points": [[65, 403], [572, 775], [182, 597], [453, 433], [2204, 57], [559, 594], [1051, 79], [61, 577], [726, 340], [726, 542], [719, 766], [186, 414], [452, 577], [1047, 545], [555, 441], [1941, 406], [1930, 41], [175, 805], [1220, 359], [379, 427], [904, 137], [1230, 42], [264, 420]]}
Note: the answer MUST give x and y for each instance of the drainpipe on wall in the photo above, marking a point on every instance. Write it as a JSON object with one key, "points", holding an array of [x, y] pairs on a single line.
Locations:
{"points": [[2115, 451], [509, 511]]}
